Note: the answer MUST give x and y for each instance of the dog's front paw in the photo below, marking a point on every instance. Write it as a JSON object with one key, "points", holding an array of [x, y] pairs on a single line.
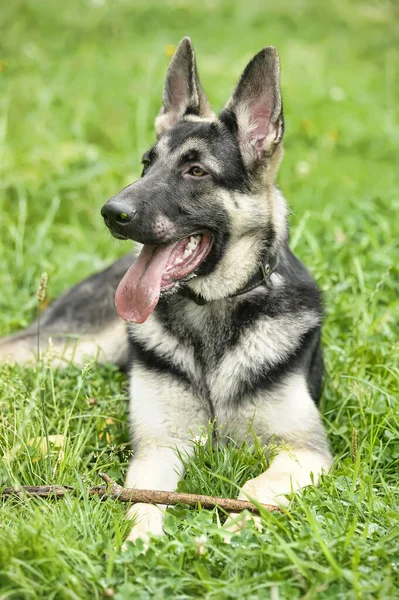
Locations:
{"points": [[255, 489], [148, 520], [237, 521]]}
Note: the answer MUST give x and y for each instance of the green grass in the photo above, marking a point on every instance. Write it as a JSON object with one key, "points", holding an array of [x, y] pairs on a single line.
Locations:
{"points": [[80, 84]]}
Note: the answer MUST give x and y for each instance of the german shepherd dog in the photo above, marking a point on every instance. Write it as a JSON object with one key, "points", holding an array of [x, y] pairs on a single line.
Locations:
{"points": [[223, 321]]}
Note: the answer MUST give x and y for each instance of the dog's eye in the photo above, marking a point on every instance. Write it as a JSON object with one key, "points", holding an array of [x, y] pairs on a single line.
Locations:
{"points": [[196, 172]]}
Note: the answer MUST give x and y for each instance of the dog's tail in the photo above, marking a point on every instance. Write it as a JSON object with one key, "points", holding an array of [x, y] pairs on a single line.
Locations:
{"points": [[82, 324]]}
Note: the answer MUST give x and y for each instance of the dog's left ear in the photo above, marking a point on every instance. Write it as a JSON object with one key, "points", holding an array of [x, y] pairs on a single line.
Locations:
{"points": [[255, 110], [183, 93]]}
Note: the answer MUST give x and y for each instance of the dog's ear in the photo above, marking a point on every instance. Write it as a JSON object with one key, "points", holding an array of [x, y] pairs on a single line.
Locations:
{"points": [[183, 93], [255, 109]]}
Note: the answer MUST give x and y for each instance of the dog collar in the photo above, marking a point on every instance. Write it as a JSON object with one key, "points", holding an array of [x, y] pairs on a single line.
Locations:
{"points": [[261, 277]]}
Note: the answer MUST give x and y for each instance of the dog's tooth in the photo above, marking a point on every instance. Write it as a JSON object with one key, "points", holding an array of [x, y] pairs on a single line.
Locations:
{"points": [[189, 249], [194, 240], [187, 253]]}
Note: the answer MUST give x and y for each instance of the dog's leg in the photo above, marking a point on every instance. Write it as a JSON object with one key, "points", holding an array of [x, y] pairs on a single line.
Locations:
{"points": [[81, 324], [290, 471], [155, 467], [165, 415], [293, 418]]}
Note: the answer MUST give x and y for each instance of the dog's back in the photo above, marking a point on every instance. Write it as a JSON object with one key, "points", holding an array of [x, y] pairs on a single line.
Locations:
{"points": [[81, 324]]}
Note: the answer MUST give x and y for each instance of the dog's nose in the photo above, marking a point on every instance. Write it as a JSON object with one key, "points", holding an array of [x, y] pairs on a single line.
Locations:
{"points": [[116, 214]]}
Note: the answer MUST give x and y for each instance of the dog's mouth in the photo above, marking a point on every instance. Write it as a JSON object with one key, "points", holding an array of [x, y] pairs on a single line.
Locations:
{"points": [[157, 270]]}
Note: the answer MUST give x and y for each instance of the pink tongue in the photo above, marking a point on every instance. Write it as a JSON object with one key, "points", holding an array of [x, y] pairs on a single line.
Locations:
{"points": [[138, 292]]}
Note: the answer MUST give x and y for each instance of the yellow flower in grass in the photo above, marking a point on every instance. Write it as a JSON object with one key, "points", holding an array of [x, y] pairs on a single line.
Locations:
{"points": [[169, 50]]}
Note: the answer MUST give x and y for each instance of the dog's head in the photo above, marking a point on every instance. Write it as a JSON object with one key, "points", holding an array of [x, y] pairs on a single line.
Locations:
{"points": [[206, 208]]}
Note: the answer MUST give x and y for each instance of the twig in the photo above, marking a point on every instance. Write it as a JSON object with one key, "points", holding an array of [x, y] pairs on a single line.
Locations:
{"points": [[117, 492]]}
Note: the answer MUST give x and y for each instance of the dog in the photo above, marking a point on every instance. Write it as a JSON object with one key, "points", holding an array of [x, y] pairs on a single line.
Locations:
{"points": [[216, 319]]}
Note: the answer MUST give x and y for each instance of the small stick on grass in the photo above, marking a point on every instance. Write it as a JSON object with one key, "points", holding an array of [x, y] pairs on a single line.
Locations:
{"points": [[116, 492]]}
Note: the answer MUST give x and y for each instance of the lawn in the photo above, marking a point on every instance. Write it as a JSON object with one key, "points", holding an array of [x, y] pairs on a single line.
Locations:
{"points": [[80, 85]]}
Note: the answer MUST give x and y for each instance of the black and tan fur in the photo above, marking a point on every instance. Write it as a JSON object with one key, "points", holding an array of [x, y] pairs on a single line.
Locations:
{"points": [[238, 357]]}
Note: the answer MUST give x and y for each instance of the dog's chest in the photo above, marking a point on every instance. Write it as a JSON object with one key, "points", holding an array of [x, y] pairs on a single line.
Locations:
{"points": [[216, 355]]}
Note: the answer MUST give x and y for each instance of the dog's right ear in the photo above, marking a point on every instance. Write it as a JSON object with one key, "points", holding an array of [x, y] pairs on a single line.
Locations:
{"points": [[183, 93], [255, 110]]}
